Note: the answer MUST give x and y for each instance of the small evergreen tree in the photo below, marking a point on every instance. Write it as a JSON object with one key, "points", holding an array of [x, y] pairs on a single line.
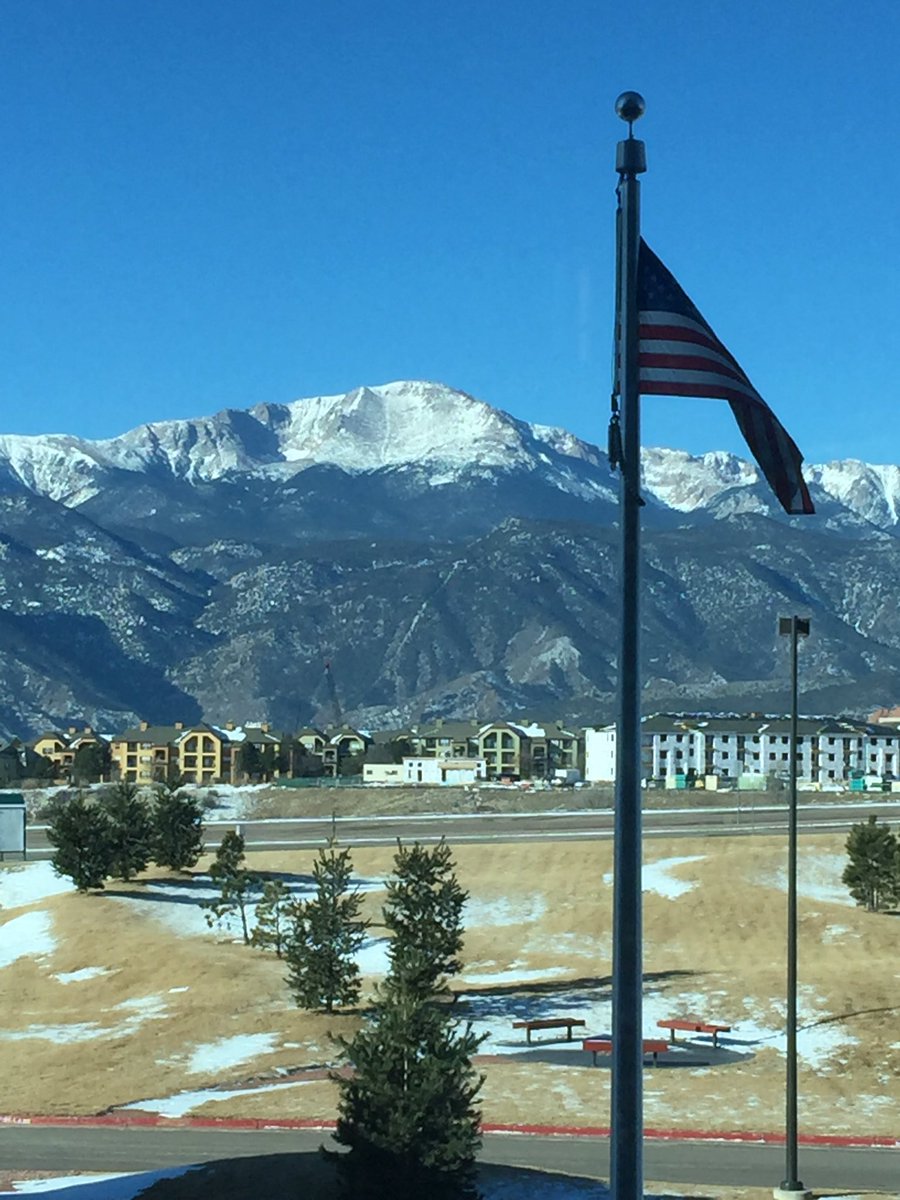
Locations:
{"points": [[251, 760], [871, 873], [130, 830], [177, 829], [80, 832], [424, 913], [235, 886], [327, 932], [408, 1112], [91, 762], [273, 917]]}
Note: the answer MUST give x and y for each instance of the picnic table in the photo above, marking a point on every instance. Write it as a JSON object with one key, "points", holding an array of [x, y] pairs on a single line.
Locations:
{"points": [[604, 1045], [693, 1025], [567, 1023]]}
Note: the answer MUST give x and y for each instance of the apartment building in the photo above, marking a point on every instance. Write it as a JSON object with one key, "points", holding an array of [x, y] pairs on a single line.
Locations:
{"points": [[829, 751]]}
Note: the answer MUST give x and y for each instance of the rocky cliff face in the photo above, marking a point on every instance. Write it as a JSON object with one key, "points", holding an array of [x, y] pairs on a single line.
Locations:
{"points": [[444, 556]]}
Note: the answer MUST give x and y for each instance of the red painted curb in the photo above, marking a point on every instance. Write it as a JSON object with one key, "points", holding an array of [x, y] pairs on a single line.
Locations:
{"points": [[155, 1121]]}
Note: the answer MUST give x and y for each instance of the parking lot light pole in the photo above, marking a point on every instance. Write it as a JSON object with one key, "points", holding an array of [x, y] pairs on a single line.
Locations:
{"points": [[791, 1188]]}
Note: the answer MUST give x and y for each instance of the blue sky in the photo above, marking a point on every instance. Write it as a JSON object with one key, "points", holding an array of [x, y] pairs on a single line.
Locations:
{"points": [[221, 202]]}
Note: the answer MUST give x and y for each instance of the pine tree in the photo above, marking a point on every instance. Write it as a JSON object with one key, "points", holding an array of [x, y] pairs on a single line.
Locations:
{"points": [[177, 841], [273, 917], [80, 832], [871, 873], [251, 761], [408, 1112], [424, 913], [235, 886], [326, 935], [90, 763], [130, 830]]}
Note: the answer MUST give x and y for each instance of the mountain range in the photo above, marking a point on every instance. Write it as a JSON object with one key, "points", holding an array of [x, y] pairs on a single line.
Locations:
{"points": [[444, 557]]}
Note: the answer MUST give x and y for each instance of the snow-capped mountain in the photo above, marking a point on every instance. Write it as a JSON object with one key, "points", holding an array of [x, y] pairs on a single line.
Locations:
{"points": [[442, 435], [445, 557]]}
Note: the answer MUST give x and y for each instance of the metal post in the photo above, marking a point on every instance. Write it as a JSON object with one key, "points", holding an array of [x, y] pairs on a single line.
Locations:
{"points": [[792, 627], [626, 1157]]}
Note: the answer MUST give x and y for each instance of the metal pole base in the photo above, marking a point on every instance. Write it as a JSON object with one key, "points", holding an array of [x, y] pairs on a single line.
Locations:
{"points": [[791, 1191]]}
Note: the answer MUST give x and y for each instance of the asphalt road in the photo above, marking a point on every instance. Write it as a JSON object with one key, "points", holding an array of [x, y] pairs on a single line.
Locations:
{"points": [[751, 818], [82, 1148]]}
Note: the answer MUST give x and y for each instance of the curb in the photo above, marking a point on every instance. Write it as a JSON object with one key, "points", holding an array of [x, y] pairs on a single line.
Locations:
{"points": [[155, 1121]]}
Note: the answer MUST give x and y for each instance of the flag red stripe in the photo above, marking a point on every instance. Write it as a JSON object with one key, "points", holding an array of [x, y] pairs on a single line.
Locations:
{"points": [[678, 333], [702, 391], [689, 362]]}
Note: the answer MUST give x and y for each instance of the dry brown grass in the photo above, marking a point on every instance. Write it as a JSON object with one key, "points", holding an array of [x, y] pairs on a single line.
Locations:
{"points": [[722, 940]]}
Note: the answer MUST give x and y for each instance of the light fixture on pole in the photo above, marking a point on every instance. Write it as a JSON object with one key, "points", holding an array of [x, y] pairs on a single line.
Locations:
{"points": [[791, 1188]]}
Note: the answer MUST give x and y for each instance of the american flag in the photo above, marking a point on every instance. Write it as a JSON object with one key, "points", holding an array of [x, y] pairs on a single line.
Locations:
{"points": [[679, 355]]}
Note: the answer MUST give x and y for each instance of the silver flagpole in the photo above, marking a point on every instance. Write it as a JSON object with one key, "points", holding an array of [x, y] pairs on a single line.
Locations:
{"points": [[626, 1158]]}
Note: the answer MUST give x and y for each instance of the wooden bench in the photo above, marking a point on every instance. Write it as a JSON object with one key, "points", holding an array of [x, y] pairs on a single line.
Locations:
{"points": [[603, 1045], [693, 1025], [566, 1023]]}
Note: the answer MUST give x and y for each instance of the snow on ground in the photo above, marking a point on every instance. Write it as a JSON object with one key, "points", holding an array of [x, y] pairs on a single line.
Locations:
{"points": [[373, 959], [136, 1011], [224, 1052], [183, 1103], [227, 801], [504, 912], [818, 878], [515, 973], [28, 883], [26, 936], [83, 973], [657, 877], [95, 1187], [493, 1014], [177, 903]]}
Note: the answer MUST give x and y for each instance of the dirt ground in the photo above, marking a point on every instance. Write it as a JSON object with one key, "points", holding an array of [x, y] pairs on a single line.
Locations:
{"points": [[406, 801], [539, 937]]}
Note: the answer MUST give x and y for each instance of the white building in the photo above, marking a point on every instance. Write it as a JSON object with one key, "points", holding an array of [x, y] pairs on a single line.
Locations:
{"points": [[828, 750], [444, 770]]}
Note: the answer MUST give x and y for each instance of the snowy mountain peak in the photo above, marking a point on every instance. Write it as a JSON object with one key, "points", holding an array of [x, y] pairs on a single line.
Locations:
{"points": [[438, 432]]}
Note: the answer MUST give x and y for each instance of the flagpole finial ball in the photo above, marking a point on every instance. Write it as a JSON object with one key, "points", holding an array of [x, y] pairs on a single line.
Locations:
{"points": [[630, 106]]}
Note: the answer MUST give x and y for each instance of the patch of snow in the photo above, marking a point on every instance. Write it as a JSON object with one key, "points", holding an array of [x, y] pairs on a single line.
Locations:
{"points": [[180, 989], [95, 1187], [836, 933], [818, 878], [502, 911], [27, 936], [373, 959], [494, 1014], [228, 1052], [83, 973], [28, 883], [572, 945], [513, 974], [182, 1103], [657, 877], [819, 1038], [81, 1032]]}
